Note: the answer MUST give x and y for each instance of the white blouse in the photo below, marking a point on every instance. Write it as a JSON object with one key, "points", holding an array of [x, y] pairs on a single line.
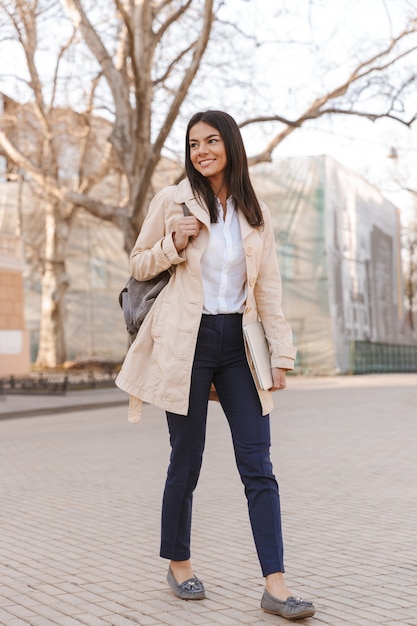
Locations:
{"points": [[223, 265]]}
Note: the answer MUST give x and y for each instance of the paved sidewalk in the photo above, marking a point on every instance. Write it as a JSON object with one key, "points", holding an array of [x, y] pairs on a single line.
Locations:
{"points": [[80, 507]]}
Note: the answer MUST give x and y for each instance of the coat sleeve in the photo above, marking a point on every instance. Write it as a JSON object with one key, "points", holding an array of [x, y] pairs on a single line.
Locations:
{"points": [[154, 250], [268, 296]]}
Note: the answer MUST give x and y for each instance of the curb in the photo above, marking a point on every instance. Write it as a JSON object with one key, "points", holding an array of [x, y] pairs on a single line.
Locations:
{"points": [[60, 409]]}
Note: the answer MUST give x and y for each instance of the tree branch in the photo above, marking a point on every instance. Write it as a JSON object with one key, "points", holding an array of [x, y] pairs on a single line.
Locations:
{"points": [[316, 108], [171, 20], [173, 63], [120, 89], [61, 53], [114, 214], [153, 157]]}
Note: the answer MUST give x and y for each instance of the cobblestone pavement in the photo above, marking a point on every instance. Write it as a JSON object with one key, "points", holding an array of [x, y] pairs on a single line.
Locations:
{"points": [[80, 507]]}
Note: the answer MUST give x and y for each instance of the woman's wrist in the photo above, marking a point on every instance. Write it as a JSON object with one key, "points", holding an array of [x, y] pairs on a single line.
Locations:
{"points": [[177, 246]]}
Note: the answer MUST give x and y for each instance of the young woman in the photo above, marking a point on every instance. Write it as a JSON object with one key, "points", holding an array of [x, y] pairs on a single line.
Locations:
{"points": [[224, 275]]}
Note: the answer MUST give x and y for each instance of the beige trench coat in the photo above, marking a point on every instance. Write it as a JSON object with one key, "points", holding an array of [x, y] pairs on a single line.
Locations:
{"points": [[157, 367]]}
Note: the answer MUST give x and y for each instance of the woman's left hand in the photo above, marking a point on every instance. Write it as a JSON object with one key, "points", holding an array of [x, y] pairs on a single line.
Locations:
{"points": [[278, 377]]}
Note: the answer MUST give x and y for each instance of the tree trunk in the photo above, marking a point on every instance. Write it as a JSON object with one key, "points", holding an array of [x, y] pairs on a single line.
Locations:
{"points": [[54, 284]]}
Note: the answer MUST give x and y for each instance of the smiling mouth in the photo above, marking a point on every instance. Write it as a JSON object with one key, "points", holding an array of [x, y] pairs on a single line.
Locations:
{"points": [[206, 162]]}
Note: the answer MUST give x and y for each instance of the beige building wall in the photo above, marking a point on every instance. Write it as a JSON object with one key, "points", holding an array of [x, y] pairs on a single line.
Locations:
{"points": [[14, 340]]}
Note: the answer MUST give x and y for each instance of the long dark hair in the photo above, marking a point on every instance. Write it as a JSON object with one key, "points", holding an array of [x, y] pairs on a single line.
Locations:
{"points": [[237, 178]]}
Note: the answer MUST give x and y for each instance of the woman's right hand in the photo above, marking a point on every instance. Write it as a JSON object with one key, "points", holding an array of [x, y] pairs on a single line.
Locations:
{"points": [[185, 228]]}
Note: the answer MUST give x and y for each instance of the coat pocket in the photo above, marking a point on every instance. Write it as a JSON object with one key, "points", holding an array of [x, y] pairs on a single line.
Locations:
{"points": [[159, 312]]}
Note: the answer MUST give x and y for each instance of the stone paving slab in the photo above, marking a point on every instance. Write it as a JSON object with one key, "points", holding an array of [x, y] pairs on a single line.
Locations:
{"points": [[80, 507]]}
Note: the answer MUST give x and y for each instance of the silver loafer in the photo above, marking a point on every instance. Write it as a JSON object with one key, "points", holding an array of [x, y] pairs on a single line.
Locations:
{"points": [[190, 589], [291, 608]]}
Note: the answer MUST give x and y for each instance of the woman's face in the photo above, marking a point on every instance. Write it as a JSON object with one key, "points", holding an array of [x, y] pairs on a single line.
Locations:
{"points": [[208, 153]]}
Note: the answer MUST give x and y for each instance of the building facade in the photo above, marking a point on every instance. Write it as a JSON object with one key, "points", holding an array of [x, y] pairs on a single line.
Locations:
{"points": [[339, 248], [14, 339]]}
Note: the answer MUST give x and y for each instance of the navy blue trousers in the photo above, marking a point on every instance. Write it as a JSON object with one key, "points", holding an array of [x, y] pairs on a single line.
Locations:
{"points": [[220, 358]]}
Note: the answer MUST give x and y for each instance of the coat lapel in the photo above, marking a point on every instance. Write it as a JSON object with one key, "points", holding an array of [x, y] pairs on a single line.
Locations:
{"points": [[185, 194], [245, 228]]}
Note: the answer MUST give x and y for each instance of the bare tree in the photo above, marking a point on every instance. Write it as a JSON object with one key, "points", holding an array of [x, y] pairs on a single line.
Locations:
{"points": [[410, 275], [400, 178], [351, 96], [138, 64], [50, 145], [121, 65]]}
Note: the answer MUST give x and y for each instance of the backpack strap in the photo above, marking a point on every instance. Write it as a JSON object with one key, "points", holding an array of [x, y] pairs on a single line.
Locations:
{"points": [[186, 210]]}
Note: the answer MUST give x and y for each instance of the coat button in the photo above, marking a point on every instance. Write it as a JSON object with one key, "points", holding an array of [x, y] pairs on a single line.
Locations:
{"points": [[252, 281], [164, 263], [249, 251]]}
